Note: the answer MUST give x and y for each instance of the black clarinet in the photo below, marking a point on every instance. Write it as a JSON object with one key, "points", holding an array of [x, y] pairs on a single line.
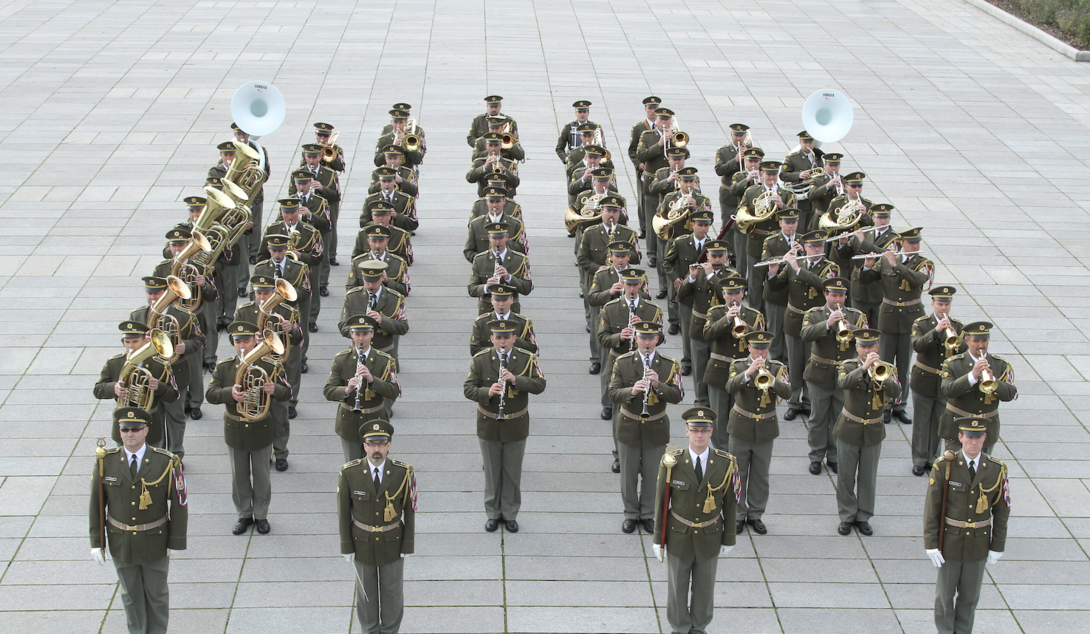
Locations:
{"points": [[503, 392], [645, 414], [359, 388]]}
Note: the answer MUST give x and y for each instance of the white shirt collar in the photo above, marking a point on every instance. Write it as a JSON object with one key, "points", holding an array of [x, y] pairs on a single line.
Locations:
{"points": [[139, 456], [651, 357], [975, 463], [371, 470], [366, 353], [503, 254], [703, 458], [503, 317], [637, 304]]}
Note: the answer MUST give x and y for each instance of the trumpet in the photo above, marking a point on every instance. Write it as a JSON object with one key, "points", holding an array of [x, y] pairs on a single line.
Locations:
{"points": [[764, 379], [988, 384], [882, 371], [135, 379], [843, 329], [951, 341], [253, 378], [740, 328], [330, 152], [646, 414]]}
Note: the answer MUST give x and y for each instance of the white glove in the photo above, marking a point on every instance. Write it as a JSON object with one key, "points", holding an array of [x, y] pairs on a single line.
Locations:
{"points": [[168, 553], [993, 556], [404, 555], [349, 557], [96, 554], [936, 557], [658, 551], [724, 550]]}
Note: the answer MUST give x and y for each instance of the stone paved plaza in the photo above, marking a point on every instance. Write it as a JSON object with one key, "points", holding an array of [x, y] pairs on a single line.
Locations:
{"points": [[109, 116]]}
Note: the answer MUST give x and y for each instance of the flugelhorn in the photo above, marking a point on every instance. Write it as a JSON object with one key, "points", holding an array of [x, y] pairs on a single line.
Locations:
{"points": [[739, 329], [135, 379], [843, 329], [764, 379], [952, 341]]}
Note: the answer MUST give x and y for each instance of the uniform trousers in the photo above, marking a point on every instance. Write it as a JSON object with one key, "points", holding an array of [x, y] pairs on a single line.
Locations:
{"points": [[292, 369], [869, 310], [331, 243], [253, 241], [926, 412], [798, 351], [774, 314], [721, 401], [754, 459], [194, 393], [233, 277], [251, 486], [304, 322], [701, 352], [650, 206], [607, 374], [593, 314], [856, 480], [896, 348], [756, 277], [315, 300], [381, 612], [211, 336], [736, 245], [323, 276], [281, 428], [639, 471], [640, 196], [502, 478], [174, 425], [827, 405], [145, 595], [353, 450], [690, 612], [684, 319], [956, 614]]}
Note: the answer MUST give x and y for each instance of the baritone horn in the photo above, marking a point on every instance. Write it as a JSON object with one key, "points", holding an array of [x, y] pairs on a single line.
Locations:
{"points": [[253, 378], [158, 319], [135, 379]]}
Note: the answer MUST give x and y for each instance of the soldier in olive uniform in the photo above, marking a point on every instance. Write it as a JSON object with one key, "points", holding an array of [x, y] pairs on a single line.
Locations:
{"points": [[404, 205], [249, 440], [590, 179], [641, 384], [385, 306], [867, 296], [935, 338], [399, 242], [965, 524], [510, 207], [577, 156], [396, 275], [139, 534], [651, 152], [665, 180], [257, 207], [725, 330], [858, 432], [827, 186], [160, 382], [376, 515], [799, 166], [322, 134], [729, 160], [904, 276], [616, 334], [284, 322], [606, 286], [307, 248], [499, 265], [360, 379], [703, 488], [592, 256], [853, 193], [650, 105], [479, 125], [502, 298], [828, 329], [190, 341], [698, 290], [404, 178], [968, 389], [757, 233], [802, 277], [317, 211], [775, 296], [280, 266], [755, 383], [492, 164], [396, 136], [683, 250], [569, 134], [500, 381], [748, 176], [513, 150], [476, 234]]}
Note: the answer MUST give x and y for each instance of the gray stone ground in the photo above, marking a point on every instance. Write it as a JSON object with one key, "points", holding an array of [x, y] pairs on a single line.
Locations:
{"points": [[110, 114]]}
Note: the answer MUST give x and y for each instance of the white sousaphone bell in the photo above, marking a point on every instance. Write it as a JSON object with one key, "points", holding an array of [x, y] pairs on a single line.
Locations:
{"points": [[258, 108], [827, 115]]}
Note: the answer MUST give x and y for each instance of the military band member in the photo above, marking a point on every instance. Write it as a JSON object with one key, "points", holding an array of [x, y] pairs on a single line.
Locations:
{"points": [[252, 249], [802, 278], [756, 383], [396, 136], [606, 284], [650, 105], [591, 178], [779, 198], [935, 338], [376, 513], [651, 152], [965, 524], [160, 381], [775, 295], [317, 211], [502, 298], [479, 126], [492, 164], [867, 296], [386, 307], [404, 178], [681, 253], [415, 128], [616, 333], [698, 293], [665, 180], [249, 440], [477, 236], [210, 310], [569, 134], [305, 242], [904, 276], [396, 276], [510, 207], [284, 322], [827, 186], [968, 389], [500, 381], [828, 329], [727, 338], [404, 205], [703, 494], [499, 265], [360, 379], [748, 176], [853, 193], [328, 184], [140, 534], [297, 273], [858, 431], [577, 156], [399, 242], [190, 341], [513, 151], [799, 167], [592, 256], [729, 160], [235, 275], [322, 134], [642, 381]]}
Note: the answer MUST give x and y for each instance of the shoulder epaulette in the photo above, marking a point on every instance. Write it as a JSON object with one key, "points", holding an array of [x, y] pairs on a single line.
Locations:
{"points": [[344, 352], [996, 461], [358, 289], [919, 319], [958, 356], [626, 355], [113, 449], [401, 464], [483, 316], [227, 360], [613, 301], [721, 453], [352, 464], [249, 303], [164, 452], [485, 351], [380, 353], [674, 452], [119, 354]]}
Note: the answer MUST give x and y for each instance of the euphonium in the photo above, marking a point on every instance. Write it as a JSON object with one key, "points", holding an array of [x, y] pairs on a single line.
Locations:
{"points": [[329, 152], [882, 371], [135, 379], [285, 292], [158, 319], [253, 378], [764, 379], [245, 171], [189, 271]]}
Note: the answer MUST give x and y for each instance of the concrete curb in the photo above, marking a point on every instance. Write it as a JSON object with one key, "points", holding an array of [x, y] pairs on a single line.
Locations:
{"points": [[1032, 31]]}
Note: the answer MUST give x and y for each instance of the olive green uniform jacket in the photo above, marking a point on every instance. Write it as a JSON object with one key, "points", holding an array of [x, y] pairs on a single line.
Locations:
{"points": [[701, 296], [518, 267], [404, 207], [309, 246], [484, 370], [864, 398], [167, 392], [479, 175], [655, 431], [963, 399], [390, 304], [393, 503], [297, 273], [603, 281], [594, 247], [407, 185], [614, 317], [400, 243], [760, 231], [510, 208], [902, 284], [719, 332], [826, 352], [246, 435], [713, 499], [931, 353], [480, 336], [804, 292], [753, 417], [189, 332], [397, 272], [479, 126], [477, 236], [987, 496], [384, 385]]}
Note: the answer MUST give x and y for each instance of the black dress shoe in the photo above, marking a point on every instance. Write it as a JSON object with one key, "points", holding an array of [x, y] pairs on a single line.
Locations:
{"points": [[491, 525], [304, 368], [292, 412], [886, 417], [660, 295], [607, 413], [791, 413], [616, 467], [595, 367], [588, 327], [648, 526], [739, 526], [917, 470], [262, 526], [831, 466], [196, 413], [323, 291], [674, 329], [686, 370], [628, 526], [571, 235], [242, 292], [512, 526], [581, 297], [643, 234], [758, 527], [253, 259], [241, 525], [313, 327], [864, 528], [845, 528], [900, 415], [281, 464], [815, 468], [187, 410], [334, 262]]}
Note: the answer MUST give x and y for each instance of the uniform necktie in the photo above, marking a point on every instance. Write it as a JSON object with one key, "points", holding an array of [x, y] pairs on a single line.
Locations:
{"points": [[972, 470], [376, 478], [132, 467], [699, 471]]}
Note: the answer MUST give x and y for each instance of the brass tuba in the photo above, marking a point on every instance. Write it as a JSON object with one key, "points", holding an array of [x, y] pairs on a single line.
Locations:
{"points": [[158, 319], [843, 219], [135, 379], [246, 172], [253, 378], [189, 271], [270, 322]]}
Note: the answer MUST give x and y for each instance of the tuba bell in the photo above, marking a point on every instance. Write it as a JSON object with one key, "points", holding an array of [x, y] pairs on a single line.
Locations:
{"points": [[189, 271], [158, 319], [253, 378], [135, 379]]}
